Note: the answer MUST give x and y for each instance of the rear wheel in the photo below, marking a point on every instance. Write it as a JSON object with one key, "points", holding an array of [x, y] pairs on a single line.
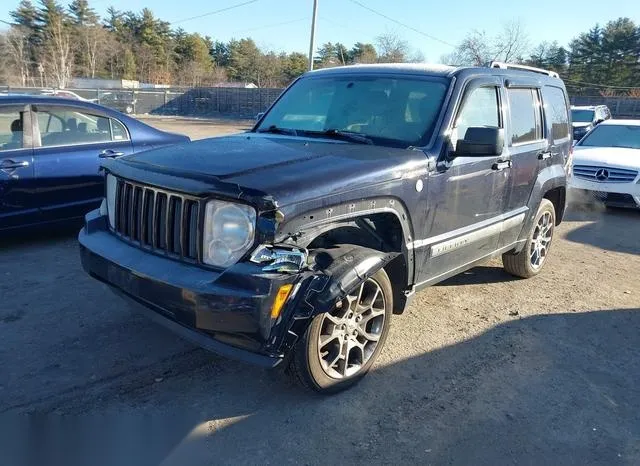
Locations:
{"points": [[531, 259], [341, 345]]}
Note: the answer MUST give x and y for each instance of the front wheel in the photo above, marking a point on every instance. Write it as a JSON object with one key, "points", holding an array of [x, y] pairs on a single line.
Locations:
{"points": [[340, 346], [531, 259]]}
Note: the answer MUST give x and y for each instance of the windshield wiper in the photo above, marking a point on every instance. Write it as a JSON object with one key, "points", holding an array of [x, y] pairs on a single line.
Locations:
{"points": [[278, 130], [343, 135]]}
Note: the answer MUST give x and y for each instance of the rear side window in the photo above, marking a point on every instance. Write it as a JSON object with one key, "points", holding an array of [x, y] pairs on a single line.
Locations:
{"points": [[64, 126], [11, 125], [556, 111], [525, 115]]}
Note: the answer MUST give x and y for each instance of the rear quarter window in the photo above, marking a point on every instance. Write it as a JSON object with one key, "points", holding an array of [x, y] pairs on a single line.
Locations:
{"points": [[555, 106]]}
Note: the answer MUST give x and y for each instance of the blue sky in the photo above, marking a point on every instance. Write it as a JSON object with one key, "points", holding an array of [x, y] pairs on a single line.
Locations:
{"points": [[284, 24]]}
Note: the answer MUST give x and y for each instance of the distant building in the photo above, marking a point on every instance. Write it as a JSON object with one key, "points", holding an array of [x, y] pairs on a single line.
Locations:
{"points": [[236, 84], [96, 83]]}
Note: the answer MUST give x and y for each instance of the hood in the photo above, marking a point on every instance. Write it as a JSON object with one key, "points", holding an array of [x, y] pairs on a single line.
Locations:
{"points": [[288, 169], [619, 157], [579, 124]]}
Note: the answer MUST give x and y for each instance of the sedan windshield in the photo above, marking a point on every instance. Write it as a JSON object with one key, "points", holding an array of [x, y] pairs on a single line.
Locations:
{"points": [[613, 136], [582, 116], [392, 111]]}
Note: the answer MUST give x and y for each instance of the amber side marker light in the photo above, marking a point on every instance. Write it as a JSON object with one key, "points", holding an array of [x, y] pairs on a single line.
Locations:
{"points": [[281, 298]]}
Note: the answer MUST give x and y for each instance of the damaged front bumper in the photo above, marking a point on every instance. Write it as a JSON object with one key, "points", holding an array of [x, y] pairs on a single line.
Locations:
{"points": [[227, 312]]}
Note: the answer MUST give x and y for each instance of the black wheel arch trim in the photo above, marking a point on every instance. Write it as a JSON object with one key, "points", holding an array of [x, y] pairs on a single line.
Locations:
{"points": [[549, 178]]}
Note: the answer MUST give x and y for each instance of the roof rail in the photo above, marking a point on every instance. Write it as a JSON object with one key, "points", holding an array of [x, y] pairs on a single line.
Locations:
{"points": [[513, 66]]}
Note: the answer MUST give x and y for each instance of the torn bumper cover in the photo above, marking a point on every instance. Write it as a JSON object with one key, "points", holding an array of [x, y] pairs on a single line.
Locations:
{"points": [[227, 312]]}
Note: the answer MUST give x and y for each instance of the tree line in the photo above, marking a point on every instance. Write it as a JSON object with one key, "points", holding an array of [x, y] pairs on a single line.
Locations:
{"points": [[49, 43], [604, 60]]}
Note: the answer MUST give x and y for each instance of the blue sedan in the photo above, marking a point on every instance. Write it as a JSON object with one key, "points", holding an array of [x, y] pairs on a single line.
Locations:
{"points": [[50, 152]]}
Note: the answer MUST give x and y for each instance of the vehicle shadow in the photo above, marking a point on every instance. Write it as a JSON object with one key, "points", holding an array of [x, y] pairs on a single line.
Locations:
{"points": [[625, 224], [549, 389], [480, 275], [42, 234]]}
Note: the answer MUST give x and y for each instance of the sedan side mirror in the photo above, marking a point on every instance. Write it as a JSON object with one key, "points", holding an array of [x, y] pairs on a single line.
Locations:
{"points": [[481, 142]]}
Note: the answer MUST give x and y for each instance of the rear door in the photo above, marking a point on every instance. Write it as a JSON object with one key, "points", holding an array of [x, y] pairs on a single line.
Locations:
{"points": [[527, 144], [71, 141], [18, 205]]}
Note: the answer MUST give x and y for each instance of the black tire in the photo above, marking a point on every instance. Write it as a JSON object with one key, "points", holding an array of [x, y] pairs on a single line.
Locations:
{"points": [[521, 264], [305, 365]]}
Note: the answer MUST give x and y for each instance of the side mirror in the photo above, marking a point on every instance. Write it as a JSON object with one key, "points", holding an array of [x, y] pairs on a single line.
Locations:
{"points": [[480, 142], [598, 121], [259, 116]]}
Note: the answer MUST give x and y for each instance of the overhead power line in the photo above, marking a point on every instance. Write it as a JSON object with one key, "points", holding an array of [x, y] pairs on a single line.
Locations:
{"points": [[429, 36], [221, 10]]}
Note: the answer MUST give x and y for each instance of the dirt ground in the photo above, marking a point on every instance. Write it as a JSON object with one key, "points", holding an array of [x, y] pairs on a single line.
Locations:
{"points": [[481, 369]]}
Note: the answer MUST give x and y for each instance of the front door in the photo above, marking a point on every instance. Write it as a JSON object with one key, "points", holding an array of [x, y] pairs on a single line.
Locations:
{"points": [[466, 195], [17, 184], [67, 158]]}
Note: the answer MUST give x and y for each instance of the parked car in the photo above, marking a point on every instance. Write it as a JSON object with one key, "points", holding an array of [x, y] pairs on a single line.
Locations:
{"points": [[123, 101], [585, 118], [66, 94], [50, 153], [295, 243], [606, 165]]}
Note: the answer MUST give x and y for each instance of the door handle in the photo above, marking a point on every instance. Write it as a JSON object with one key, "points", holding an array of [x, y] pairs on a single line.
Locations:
{"points": [[501, 165], [110, 154], [544, 155], [12, 165]]}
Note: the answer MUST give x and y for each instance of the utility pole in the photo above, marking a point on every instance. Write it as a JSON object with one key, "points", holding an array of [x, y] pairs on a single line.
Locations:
{"points": [[313, 33]]}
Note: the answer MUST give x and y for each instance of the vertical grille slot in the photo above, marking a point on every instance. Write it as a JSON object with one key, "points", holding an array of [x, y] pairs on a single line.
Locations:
{"points": [[157, 219], [161, 221]]}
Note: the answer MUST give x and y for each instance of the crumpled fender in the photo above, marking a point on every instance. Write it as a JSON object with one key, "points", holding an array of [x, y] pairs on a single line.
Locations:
{"points": [[344, 267], [336, 272]]}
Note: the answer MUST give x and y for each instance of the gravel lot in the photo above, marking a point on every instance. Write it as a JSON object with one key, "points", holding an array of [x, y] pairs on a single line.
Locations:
{"points": [[482, 369]]}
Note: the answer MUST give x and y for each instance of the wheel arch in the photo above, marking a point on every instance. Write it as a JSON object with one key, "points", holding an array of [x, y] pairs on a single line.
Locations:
{"points": [[380, 224]]}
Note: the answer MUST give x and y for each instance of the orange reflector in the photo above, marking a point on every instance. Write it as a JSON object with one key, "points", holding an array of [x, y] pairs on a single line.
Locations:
{"points": [[281, 298]]}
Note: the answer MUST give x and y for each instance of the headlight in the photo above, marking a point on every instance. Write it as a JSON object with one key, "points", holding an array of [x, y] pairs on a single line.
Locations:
{"points": [[229, 230], [112, 184]]}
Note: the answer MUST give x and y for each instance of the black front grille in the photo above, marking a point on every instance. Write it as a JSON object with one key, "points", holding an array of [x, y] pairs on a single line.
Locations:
{"points": [[164, 221], [614, 199]]}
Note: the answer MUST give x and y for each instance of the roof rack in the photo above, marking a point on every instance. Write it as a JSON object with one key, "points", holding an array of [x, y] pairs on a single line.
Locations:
{"points": [[507, 66]]}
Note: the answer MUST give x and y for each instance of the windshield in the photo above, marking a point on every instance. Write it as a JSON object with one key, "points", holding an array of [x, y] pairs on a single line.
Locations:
{"points": [[582, 116], [398, 112], [613, 136]]}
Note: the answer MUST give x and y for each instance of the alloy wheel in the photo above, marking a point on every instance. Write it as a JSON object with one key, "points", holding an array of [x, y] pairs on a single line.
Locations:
{"points": [[541, 240], [350, 332]]}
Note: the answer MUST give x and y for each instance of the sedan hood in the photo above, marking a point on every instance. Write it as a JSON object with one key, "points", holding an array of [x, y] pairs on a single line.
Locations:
{"points": [[287, 169], [607, 156]]}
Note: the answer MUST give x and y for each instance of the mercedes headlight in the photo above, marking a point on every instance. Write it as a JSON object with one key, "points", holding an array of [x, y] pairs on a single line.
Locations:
{"points": [[229, 229], [112, 184]]}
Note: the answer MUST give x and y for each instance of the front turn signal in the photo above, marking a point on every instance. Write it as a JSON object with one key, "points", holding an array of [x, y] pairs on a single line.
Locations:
{"points": [[281, 298]]}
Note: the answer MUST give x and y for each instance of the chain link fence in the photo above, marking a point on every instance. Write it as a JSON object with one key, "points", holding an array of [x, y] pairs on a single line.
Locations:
{"points": [[234, 102], [203, 102]]}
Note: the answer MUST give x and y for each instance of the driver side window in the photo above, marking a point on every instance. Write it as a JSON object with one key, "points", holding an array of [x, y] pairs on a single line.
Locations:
{"points": [[480, 109]]}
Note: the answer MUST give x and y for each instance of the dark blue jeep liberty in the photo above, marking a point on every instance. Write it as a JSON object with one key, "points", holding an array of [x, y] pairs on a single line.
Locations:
{"points": [[293, 244]]}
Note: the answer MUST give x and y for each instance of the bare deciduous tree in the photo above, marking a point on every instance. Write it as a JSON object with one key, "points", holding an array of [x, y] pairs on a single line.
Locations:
{"points": [[57, 56], [93, 48], [15, 46], [391, 48], [478, 48]]}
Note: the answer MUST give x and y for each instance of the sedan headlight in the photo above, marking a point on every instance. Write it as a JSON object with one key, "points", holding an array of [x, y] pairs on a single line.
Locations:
{"points": [[229, 230], [112, 184]]}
